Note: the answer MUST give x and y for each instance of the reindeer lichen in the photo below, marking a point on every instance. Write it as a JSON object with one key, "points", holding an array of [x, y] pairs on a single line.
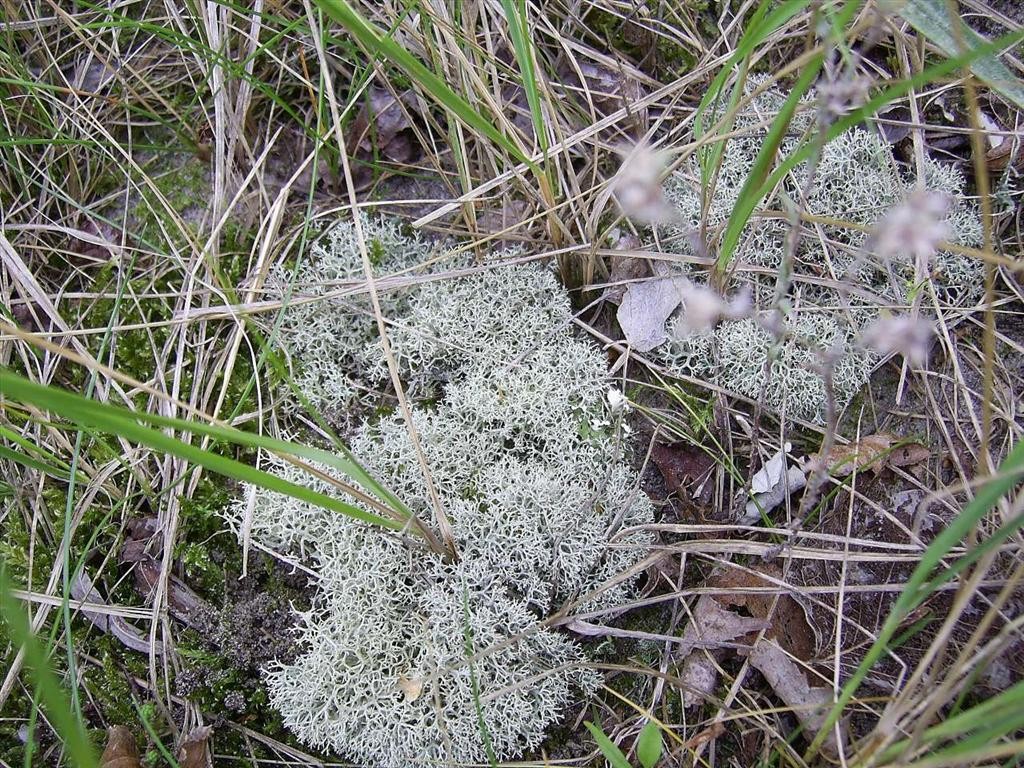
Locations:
{"points": [[408, 657], [840, 282]]}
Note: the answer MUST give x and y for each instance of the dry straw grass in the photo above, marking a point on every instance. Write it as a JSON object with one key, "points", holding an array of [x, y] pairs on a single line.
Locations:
{"points": [[159, 157]]}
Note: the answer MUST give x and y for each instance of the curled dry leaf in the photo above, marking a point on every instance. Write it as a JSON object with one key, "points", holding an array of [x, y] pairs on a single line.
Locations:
{"points": [[1003, 150], [380, 122], [382, 130], [789, 681], [611, 88], [895, 124], [120, 751], [194, 750], [644, 310], [605, 87], [873, 453], [97, 242], [184, 604], [713, 732], [791, 623], [770, 475], [771, 485], [1007, 153]]}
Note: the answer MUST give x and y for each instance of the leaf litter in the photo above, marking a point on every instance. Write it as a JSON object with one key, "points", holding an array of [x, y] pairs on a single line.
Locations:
{"points": [[782, 655]]}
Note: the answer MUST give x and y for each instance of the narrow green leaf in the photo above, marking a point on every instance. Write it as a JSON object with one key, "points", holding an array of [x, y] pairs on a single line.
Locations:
{"points": [[915, 591], [33, 463], [30, 447], [763, 162], [985, 723], [611, 752], [125, 423], [761, 25], [515, 15], [379, 44], [648, 745], [50, 691], [467, 630], [932, 19]]}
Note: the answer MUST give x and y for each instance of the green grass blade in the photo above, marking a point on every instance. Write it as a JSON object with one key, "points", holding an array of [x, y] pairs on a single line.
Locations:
{"points": [[916, 589], [125, 423], [932, 19], [984, 724], [47, 463], [746, 204], [764, 160], [761, 25], [379, 44], [515, 15], [467, 637], [50, 691]]}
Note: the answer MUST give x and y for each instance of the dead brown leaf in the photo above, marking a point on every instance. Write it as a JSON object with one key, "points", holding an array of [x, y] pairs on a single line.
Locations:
{"points": [[790, 623], [790, 635], [624, 270], [873, 453], [184, 604], [120, 751], [607, 87], [716, 730], [686, 470], [379, 121], [194, 751], [712, 627], [788, 679]]}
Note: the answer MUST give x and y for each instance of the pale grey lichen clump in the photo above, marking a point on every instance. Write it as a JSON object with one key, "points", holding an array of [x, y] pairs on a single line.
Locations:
{"points": [[330, 349], [840, 284], [522, 451]]}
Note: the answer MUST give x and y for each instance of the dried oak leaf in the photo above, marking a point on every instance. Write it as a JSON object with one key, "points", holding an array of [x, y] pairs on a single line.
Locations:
{"points": [[194, 750], [791, 623], [712, 627], [120, 751]]}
